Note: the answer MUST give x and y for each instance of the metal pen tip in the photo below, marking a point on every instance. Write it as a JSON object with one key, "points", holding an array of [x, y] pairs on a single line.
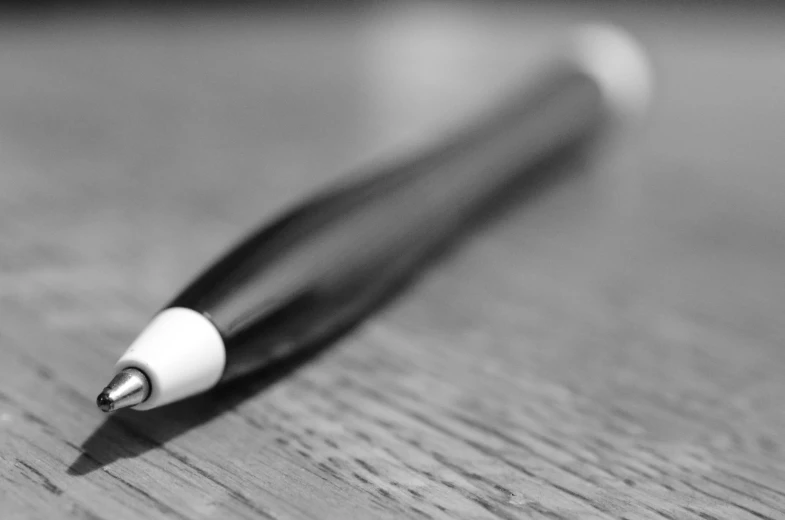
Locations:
{"points": [[104, 402], [127, 388]]}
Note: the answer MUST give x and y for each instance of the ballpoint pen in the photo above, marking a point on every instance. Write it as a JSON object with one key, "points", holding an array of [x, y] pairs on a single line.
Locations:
{"points": [[318, 268]]}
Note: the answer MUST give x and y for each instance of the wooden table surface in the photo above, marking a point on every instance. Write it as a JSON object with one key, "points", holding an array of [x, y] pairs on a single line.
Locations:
{"points": [[611, 348]]}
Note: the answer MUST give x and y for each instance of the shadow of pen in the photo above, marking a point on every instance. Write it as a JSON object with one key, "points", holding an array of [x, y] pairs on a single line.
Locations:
{"points": [[128, 434]]}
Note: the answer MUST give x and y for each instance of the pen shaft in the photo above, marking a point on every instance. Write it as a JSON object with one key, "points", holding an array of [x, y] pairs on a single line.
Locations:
{"points": [[323, 265]]}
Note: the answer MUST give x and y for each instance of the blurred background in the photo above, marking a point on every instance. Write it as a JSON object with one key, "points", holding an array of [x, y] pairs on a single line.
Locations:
{"points": [[632, 315], [115, 115]]}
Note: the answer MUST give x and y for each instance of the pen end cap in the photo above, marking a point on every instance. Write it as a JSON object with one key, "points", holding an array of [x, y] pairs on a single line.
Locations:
{"points": [[620, 66]]}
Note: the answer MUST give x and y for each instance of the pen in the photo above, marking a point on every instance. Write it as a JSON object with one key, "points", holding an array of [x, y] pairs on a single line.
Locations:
{"points": [[321, 266]]}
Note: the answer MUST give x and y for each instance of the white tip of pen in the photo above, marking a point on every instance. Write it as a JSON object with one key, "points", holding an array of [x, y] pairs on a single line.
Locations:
{"points": [[180, 352], [619, 65]]}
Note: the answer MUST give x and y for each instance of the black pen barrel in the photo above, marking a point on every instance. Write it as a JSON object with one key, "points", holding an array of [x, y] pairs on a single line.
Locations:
{"points": [[320, 267]]}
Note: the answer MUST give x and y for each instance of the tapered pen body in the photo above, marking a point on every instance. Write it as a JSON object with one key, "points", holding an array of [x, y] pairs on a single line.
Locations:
{"points": [[325, 264], [318, 268]]}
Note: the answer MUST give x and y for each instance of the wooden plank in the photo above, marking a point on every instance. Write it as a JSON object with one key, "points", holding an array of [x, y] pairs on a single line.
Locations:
{"points": [[609, 349]]}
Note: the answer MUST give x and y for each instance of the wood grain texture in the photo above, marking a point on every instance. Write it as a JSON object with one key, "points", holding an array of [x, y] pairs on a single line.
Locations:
{"points": [[610, 349]]}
